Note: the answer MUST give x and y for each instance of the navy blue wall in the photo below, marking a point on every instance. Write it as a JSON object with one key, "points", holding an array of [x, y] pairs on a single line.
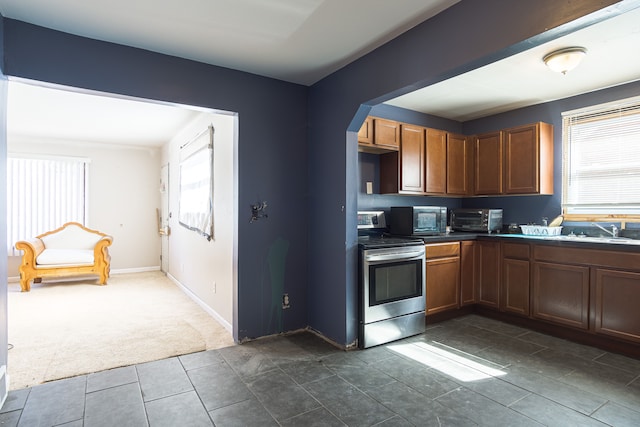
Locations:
{"points": [[312, 190], [442, 47], [272, 151]]}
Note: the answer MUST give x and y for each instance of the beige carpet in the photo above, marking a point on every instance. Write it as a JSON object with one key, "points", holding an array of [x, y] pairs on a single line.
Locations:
{"points": [[64, 329]]}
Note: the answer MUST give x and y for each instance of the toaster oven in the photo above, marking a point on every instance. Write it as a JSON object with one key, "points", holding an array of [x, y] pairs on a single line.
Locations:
{"points": [[476, 220]]}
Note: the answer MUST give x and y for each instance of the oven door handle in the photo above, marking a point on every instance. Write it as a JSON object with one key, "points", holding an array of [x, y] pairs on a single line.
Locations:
{"points": [[402, 256]]}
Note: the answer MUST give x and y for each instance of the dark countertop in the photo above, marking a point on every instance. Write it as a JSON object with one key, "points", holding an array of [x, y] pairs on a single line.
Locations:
{"points": [[454, 236], [603, 244], [621, 245]]}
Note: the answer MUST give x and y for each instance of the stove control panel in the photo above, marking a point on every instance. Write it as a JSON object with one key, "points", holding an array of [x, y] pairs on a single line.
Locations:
{"points": [[371, 219]]}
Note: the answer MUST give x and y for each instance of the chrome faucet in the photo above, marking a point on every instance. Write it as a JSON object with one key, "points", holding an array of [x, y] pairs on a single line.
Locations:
{"points": [[614, 230]]}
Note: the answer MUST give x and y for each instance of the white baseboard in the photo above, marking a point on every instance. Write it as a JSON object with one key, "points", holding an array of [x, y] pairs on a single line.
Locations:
{"points": [[135, 270], [202, 304]]}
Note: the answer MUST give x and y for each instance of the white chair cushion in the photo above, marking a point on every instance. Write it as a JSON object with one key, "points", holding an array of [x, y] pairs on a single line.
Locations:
{"points": [[71, 237], [55, 257]]}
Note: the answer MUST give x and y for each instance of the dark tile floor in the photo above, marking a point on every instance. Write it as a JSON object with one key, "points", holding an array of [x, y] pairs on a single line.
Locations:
{"points": [[467, 371]]}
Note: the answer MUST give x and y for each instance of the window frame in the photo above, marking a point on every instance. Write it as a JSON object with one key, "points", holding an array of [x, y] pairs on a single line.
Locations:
{"points": [[595, 112]]}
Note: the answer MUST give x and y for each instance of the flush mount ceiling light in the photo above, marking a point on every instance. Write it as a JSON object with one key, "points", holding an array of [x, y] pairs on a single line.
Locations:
{"points": [[564, 60]]}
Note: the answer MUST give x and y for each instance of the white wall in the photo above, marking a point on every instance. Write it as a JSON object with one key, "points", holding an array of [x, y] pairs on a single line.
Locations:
{"points": [[123, 196], [193, 261]]}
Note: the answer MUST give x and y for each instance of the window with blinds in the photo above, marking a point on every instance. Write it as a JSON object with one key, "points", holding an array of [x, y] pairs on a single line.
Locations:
{"points": [[601, 164], [196, 184], [43, 194]]}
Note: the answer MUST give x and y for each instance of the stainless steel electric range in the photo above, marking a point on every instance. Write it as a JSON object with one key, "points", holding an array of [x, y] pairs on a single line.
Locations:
{"points": [[391, 283]]}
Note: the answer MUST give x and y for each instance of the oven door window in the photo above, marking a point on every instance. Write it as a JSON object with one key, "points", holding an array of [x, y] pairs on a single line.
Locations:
{"points": [[394, 281]]}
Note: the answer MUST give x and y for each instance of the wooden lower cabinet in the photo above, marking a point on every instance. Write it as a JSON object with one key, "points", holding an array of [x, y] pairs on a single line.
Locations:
{"points": [[468, 273], [585, 289], [488, 273], [616, 298], [515, 283], [515, 286], [443, 276], [560, 294]]}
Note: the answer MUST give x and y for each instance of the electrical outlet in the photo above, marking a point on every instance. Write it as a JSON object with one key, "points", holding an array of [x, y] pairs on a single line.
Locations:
{"points": [[285, 301]]}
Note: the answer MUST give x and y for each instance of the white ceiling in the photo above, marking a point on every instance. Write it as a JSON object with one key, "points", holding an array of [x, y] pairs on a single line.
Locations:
{"points": [[57, 114], [299, 41], [613, 58]]}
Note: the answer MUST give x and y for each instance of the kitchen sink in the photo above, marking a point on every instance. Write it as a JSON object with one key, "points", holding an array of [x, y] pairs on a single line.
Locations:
{"points": [[604, 239]]}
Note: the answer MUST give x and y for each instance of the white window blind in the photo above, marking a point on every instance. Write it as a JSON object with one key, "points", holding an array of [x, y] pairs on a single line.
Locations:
{"points": [[43, 194], [601, 165]]}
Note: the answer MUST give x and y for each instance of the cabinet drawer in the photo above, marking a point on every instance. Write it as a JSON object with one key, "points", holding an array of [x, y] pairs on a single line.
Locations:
{"points": [[515, 250], [590, 257], [442, 250]]}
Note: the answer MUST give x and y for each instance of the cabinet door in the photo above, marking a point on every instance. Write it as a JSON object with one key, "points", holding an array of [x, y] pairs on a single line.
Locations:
{"points": [[489, 273], [529, 159], [515, 286], [560, 294], [412, 159], [488, 164], [443, 284], [386, 133], [616, 304], [436, 166], [365, 134], [468, 273], [458, 157], [522, 158]]}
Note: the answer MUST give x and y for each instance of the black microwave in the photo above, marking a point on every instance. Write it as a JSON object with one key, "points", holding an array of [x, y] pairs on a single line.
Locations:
{"points": [[418, 220]]}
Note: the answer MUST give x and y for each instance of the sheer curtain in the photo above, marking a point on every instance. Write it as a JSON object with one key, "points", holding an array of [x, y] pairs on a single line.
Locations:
{"points": [[196, 184]]}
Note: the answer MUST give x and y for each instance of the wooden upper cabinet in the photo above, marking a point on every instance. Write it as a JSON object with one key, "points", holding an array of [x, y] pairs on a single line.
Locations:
{"points": [[419, 160], [412, 158], [386, 133], [365, 134], [528, 159], [488, 164], [458, 168], [379, 136], [436, 162]]}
